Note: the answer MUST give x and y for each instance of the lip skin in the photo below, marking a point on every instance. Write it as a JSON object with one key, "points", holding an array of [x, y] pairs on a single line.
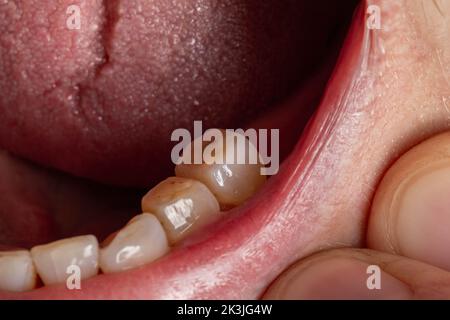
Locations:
{"points": [[361, 126]]}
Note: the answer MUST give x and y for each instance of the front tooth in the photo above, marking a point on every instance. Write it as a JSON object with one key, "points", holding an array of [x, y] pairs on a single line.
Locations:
{"points": [[182, 205], [17, 271], [230, 182], [54, 259], [141, 241]]}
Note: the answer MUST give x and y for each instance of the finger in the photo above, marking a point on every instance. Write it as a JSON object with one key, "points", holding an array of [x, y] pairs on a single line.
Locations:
{"points": [[360, 274], [410, 214]]}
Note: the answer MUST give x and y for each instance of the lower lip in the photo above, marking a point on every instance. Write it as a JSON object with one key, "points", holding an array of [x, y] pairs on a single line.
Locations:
{"points": [[241, 256]]}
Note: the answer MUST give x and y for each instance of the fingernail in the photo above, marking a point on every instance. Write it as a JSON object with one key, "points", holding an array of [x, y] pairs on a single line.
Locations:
{"points": [[421, 213], [338, 279]]}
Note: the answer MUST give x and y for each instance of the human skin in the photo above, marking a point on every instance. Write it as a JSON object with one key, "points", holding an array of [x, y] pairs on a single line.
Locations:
{"points": [[406, 233], [395, 97], [407, 238]]}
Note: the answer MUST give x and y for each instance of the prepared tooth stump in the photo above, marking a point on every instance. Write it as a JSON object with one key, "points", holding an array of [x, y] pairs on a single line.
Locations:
{"points": [[182, 205], [231, 170]]}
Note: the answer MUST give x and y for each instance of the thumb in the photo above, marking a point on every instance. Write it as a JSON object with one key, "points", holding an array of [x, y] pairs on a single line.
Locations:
{"points": [[411, 210]]}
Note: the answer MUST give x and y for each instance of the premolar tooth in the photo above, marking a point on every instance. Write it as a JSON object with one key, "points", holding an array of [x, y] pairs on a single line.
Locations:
{"points": [[182, 205], [52, 260], [233, 183], [141, 241], [17, 273]]}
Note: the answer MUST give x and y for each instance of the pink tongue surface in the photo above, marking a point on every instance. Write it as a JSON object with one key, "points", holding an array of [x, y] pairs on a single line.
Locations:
{"points": [[101, 102]]}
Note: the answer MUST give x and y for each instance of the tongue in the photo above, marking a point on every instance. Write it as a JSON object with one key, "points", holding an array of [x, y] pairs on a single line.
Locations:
{"points": [[39, 206], [101, 102]]}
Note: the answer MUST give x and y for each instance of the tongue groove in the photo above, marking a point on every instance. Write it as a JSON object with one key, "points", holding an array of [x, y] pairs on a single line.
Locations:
{"points": [[111, 17]]}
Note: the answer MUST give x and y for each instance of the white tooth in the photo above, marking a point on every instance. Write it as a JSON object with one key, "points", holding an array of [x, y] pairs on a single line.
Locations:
{"points": [[182, 205], [141, 241], [17, 271], [53, 260], [230, 182]]}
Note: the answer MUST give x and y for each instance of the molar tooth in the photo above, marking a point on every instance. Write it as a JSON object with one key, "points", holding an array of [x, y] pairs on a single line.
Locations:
{"points": [[182, 205], [141, 241], [53, 259], [17, 273], [232, 183]]}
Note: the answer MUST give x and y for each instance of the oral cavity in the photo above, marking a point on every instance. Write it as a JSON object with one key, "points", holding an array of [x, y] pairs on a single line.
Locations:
{"points": [[174, 209]]}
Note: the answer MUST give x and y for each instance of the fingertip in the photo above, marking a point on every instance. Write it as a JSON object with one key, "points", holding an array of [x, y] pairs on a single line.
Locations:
{"points": [[342, 278], [410, 213]]}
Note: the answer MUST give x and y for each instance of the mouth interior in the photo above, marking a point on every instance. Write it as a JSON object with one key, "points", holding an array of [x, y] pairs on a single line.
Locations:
{"points": [[44, 205]]}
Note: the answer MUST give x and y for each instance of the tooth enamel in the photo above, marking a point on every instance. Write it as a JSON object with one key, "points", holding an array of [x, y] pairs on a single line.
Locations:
{"points": [[17, 273], [53, 260], [232, 184], [141, 241], [182, 205]]}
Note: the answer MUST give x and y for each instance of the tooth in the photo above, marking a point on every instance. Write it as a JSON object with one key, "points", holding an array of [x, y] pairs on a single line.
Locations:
{"points": [[53, 260], [182, 205], [230, 182], [17, 271], [141, 241]]}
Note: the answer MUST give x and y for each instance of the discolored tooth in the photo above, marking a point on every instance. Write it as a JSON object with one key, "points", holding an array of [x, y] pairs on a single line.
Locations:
{"points": [[230, 180], [17, 273], [141, 241], [182, 205], [54, 261]]}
